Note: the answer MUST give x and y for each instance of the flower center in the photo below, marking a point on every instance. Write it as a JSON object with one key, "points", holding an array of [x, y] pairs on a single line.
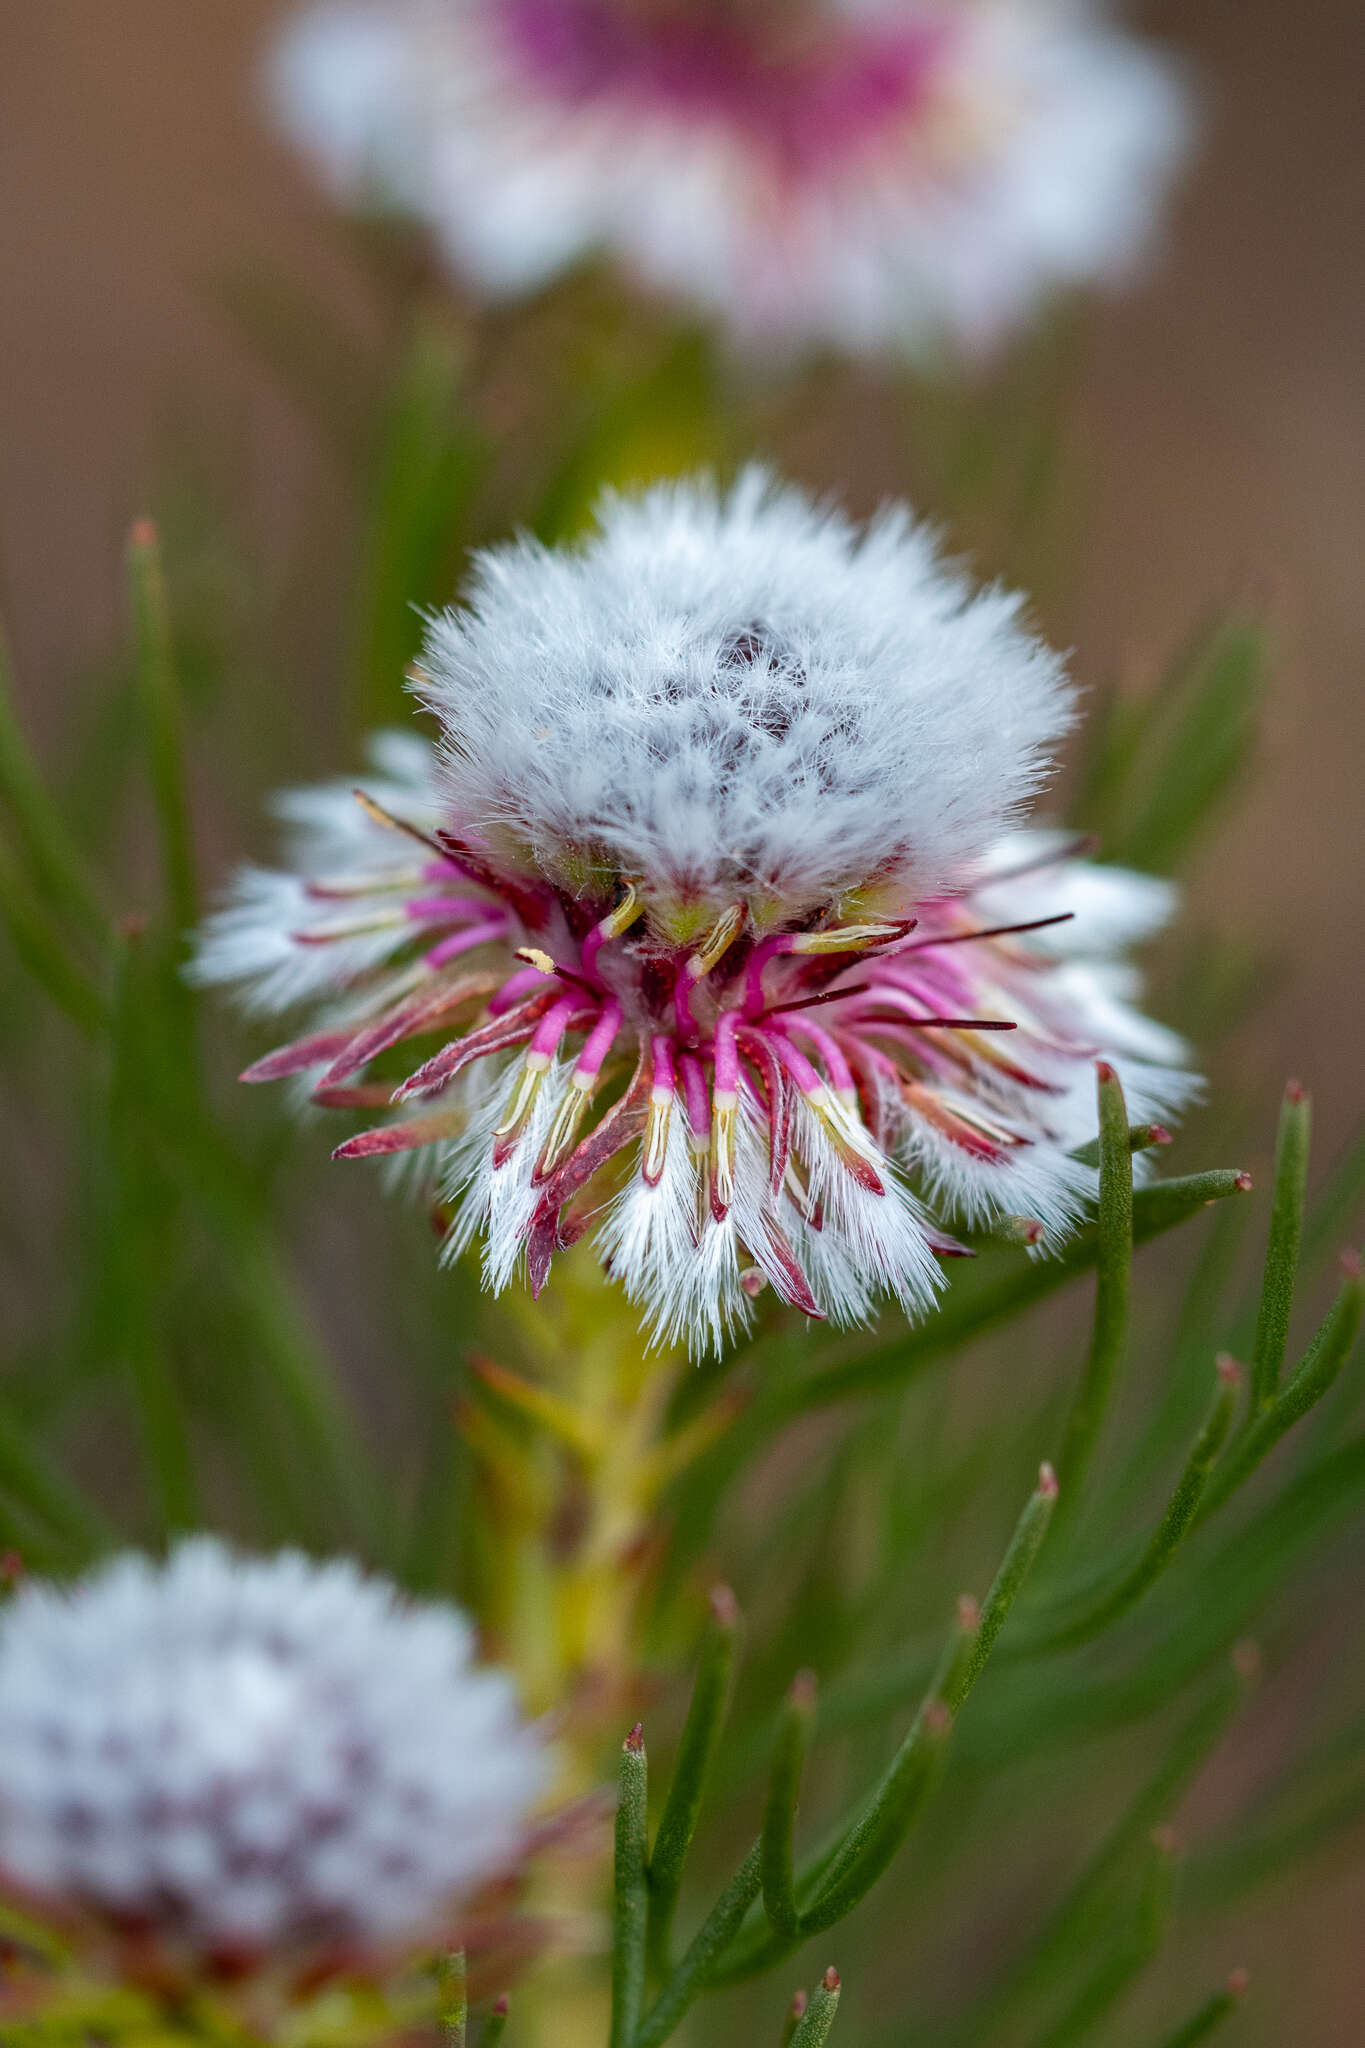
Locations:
{"points": [[806, 89]]}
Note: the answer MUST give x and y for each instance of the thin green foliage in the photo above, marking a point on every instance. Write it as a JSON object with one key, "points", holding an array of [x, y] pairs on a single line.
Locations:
{"points": [[54, 861], [678, 1821], [159, 705], [631, 1891], [717, 1931], [779, 1813], [813, 2027], [1138, 1945], [1113, 1297], [1114, 1602], [1210, 2016], [1313, 1377], [1282, 1253], [454, 2012]]}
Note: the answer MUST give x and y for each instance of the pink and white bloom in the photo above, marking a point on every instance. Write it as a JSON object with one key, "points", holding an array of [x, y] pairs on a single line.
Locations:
{"points": [[709, 927], [879, 175], [249, 1758]]}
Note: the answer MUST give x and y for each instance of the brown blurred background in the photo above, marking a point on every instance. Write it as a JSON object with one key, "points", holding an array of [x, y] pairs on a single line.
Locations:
{"points": [[1224, 421], [1223, 430]]}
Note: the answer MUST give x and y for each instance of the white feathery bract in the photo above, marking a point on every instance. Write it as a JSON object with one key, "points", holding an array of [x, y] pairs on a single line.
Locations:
{"points": [[248, 1757], [882, 175]]}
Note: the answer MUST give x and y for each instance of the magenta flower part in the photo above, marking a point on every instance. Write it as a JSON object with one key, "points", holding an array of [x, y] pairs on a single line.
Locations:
{"points": [[708, 928]]}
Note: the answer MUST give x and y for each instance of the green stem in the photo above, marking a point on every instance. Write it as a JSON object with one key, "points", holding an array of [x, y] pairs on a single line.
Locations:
{"points": [[159, 702], [631, 1892], [42, 954], [52, 853], [1315, 1374], [1163, 1206], [454, 2013], [678, 1822], [495, 2026], [1106, 1986], [1166, 1538], [1282, 1251], [812, 2029], [717, 1932], [1113, 1296], [1210, 2015], [779, 1814], [1015, 1566]]}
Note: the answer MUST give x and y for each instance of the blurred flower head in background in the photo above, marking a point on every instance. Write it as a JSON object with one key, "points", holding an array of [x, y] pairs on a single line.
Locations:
{"points": [[879, 175], [244, 1759], [712, 911]]}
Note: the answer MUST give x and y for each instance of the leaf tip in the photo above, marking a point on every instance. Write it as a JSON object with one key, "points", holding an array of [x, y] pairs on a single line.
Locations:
{"points": [[1350, 1263], [1238, 1981], [1243, 1183], [968, 1613], [1247, 1660], [1228, 1370], [724, 1607], [804, 1691], [501, 2007], [1047, 1481], [634, 1744], [831, 1981], [938, 1720], [1294, 1091]]}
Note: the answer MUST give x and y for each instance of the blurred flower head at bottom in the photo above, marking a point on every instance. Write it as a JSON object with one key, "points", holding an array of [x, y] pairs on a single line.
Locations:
{"points": [[709, 928], [245, 1760], [880, 175]]}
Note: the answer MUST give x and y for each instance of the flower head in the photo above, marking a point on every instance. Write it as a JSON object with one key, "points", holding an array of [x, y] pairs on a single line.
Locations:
{"points": [[248, 1758], [876, 174], [708, 927]]}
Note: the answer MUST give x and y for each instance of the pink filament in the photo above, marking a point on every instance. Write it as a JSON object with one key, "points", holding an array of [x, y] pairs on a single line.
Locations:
{"points": [[462, 942], [696, 1095], [551, 1028], [840, 1073], [600, 1041], [433, 909]]}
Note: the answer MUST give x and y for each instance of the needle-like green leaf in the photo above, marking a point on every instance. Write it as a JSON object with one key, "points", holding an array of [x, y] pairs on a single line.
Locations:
{"points": [[631, 1915], [1282, 1252], [678, 1821]]}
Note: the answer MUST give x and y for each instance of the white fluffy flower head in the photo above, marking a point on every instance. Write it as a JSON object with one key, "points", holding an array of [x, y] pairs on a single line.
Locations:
{"points": [[251, 1758], [741, 696], [709, 927], [877, 174]]}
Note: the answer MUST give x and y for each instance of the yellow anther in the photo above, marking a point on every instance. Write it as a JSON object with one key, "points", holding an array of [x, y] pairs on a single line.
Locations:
{"points": [[533, 957], [564, 1129], [723, 1152], [534, 1069], [846, 938], [379, 816], [717, 942], [656, 1135], [624, 916]]}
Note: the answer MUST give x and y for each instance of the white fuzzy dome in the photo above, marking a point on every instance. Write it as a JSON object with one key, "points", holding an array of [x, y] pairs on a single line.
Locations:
{"points": [[741, 696], [253, 1755]]}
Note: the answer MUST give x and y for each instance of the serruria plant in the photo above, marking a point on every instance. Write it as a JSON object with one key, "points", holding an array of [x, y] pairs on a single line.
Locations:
{"points": [[709, 929]]}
